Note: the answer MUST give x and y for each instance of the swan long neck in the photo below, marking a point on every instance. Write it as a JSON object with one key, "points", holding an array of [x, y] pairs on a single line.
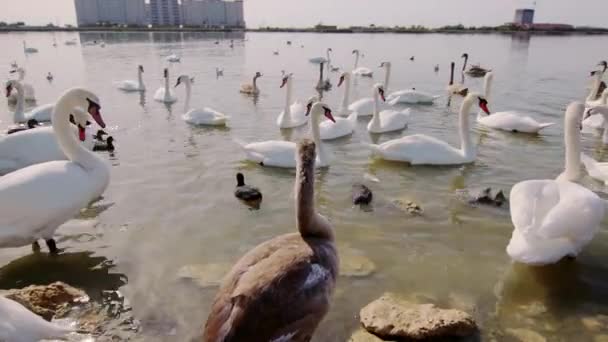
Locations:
{"points": [[328, 61], [597, 79], [346, 97], [376, 114], [315, 118], [19, 115], [21, 74], [167, 89], [605, 134], [387, 77], [188, 85], [572, 141], [356, 60], [140, 79], [65, 135], [464, 65], [255, 83], [309, 223], [286, 119], [452, 73], [466, 145]]}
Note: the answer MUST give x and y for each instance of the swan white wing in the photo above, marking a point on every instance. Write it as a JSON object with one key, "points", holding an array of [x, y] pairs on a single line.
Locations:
{"points": [[596, 170], [362, 107], [20, 325], [272, 153], [161, 96], [594, 121], [421, 149], [341, 128], [41, 113], [205, 116], [29, 203], [410, 96], [390, 120], [128, 85], [530, 201], [512, 121], [363, 71]]}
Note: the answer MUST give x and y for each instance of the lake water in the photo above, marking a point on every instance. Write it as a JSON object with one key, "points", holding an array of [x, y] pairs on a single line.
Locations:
{"points": [[170, 201]]}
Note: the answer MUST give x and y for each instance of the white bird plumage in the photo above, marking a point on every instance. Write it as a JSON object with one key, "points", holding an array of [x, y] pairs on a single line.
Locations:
{"points": [[509, 121], [555, 218], [199, 116], [41, 113], [282, 154], [18, 324], [130, 85], [28, 90], [294, 114], [406, 96], [598, 121], [28, 49], [387, 120], [420, 149], [29, 206], [165, 94], [173, 58], [361, 71]]}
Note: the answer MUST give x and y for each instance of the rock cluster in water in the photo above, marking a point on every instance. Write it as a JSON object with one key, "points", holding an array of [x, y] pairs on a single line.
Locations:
{"points": [[390, 318]]}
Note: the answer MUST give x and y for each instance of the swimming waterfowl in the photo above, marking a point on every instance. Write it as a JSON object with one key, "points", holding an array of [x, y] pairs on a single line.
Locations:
{"points": [[474, 70], [31, 123], [245, 192], [361, 194], [281, 289], [251, 88]]}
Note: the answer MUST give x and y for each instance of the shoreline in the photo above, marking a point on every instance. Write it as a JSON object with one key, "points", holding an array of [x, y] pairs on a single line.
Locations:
{"points": [[575, 31]]}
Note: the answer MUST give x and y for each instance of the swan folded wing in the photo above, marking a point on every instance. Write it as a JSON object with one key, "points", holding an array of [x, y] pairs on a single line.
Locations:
{"points": [[595, 169], [41, 195], [272, 153], [362, 106], [538, 251], [511, 121], [41, 113], [577, 216], [530, 201], [275, 290], [420, 149]]}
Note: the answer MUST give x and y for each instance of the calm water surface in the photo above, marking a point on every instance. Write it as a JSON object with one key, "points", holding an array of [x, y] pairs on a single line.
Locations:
{"points": [[170, 201]]}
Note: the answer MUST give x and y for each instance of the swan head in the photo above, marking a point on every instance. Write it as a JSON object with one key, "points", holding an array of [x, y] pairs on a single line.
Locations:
{"points": [[140, 68], [344, 77], [355, 51], [385, 65], [379, 88], [184, 79], [82, 98], [330, 50], [465, 55], [604, 65], [286, 78], [317, 108], [596, 74], [258, 74]]}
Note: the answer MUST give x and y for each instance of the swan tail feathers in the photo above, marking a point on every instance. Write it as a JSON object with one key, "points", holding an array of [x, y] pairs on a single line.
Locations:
{"points": [[545, 125]]}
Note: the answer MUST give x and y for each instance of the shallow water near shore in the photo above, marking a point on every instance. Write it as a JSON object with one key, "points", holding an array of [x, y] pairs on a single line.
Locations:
{"points": [[168, 224]]}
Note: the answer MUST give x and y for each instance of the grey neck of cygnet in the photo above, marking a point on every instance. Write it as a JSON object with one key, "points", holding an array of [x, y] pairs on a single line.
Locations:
{"points": [[346, 98], [464, 65], [387, 76], [452, 73], [188, 85]]}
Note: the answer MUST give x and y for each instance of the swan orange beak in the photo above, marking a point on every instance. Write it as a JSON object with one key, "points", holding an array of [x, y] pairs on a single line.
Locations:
{"points": [[484, 107], [94, 112], [328, 114], [81, 133]]}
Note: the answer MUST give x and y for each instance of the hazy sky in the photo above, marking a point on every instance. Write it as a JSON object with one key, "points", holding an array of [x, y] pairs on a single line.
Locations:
{"points": [[356, 12]]}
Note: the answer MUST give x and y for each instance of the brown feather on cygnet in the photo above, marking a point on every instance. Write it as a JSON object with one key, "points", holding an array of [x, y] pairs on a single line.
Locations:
{"points": [[281, 289]]}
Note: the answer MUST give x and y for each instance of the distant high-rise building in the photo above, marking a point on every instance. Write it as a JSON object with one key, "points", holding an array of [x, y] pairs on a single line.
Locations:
{"points": [[117, 12], [213, 13], [524, 16], [165, 13]]}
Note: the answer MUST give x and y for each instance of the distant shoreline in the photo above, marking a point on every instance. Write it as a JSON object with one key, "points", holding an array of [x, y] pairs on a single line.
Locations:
{"points": [[497, 30]]}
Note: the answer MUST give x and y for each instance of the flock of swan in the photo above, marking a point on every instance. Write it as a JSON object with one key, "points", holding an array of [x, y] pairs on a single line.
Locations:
{"points": [[293, 273]]}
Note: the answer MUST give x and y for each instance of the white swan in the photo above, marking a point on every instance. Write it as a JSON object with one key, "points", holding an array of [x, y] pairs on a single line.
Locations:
{"points": [[339, 127], [361, 71], [345, 78], [27, 49], [173, 58], [509, 121], [387, 120], [130, 85], [18, 324], [555, 218], [41, 113], [420, 149], [596, 169], [29, 93], [365, 106], [319, 60], [408, 96], [294, 114], [595, 87], [275, 153], [598, 121], [251, 88], [196, 116], [164, 94], [39, 145], [35, 200]]}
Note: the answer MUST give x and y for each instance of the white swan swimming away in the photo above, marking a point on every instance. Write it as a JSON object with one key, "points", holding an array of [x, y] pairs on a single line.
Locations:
{"points": [[319, 60], [420, 149], [130, 85], [294, 114], [251, 88], [18, 324], [173, 58], [598, 121], [555, 218], [27, 49], [407, 96], [361, 71], [165, 94], [197, 116], [39, 145], [509, 121], [339, 127], [29, 93], [30, 208], [41, 113], [387, 120], [282, 154], [365, 106]]}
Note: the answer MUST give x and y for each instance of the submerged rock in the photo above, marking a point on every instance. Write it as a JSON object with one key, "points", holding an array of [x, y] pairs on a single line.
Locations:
{"points": [[353, 263], [482, 197], [363, 336], [408, 206], [595, 323], [392, 318], [205, 276], [526, 335], [48, 301]]}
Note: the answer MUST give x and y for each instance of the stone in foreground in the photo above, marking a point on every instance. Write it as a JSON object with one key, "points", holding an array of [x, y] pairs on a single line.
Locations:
{"points": [[392, 318]]}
